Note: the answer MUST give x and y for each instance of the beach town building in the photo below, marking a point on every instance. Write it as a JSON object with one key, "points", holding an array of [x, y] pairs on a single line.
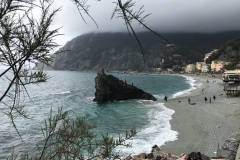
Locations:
{"points": [[199, 65], [213, 65], [169, 69], [217, 66], [205, 69], [157, 69], [190, 68]]}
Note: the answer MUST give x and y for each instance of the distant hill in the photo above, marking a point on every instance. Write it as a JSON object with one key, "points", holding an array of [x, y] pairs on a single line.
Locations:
{"points": [[119, 51], [229, 52]]}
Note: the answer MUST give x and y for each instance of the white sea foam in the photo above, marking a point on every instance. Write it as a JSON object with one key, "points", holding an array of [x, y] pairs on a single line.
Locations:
{"points": [[158, 131], [65, 92], [161, 96], [193, 85], [90, 99]]}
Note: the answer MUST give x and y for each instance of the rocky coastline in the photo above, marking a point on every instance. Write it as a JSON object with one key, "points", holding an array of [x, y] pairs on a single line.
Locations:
{"points": [[228, 151]]}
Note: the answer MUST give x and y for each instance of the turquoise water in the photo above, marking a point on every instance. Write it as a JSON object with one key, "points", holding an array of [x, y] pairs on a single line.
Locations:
{"points": [[74, 92]]}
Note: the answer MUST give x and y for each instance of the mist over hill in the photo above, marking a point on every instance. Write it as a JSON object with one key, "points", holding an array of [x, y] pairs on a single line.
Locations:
{"points": [[120, 51]]}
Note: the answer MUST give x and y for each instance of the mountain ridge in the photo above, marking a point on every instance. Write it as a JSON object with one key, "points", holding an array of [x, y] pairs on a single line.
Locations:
{"points": [[119, 51]]}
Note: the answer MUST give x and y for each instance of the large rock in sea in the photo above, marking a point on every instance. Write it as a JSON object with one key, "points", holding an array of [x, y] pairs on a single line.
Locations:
{"points": [[110, 88]]}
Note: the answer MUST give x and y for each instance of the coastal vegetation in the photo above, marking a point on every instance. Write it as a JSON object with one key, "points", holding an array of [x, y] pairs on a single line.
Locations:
{"points": [[229, 52], [26, 39]]}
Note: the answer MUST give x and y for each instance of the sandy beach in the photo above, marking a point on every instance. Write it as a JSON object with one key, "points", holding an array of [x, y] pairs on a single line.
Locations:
{"points": [[203, 125]]}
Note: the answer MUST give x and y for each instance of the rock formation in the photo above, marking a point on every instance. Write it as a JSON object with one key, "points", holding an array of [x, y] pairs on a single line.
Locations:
{"points": [[229, 148], [155, 148], [110, 88]]}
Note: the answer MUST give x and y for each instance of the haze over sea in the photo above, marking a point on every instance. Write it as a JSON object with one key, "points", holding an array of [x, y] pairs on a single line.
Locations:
{"points": [[74, 91]]}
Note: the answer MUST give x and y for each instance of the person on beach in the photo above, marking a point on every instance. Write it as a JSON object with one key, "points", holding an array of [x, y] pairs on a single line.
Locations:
{"points": [[165, 98], [205, 99], [210, 100], [202, 90], [214, 97], [189, 100]]}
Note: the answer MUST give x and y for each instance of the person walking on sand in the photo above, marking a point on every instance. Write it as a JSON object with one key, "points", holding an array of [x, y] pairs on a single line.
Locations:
{"points": [[210, 100], [205, 99], [189, 100], [214, 97], [165, 98]]}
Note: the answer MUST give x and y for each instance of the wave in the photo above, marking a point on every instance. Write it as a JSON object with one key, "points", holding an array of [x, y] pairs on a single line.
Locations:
{"points": [[161, 96], [158, 131], [193, 86], [64, 92]]}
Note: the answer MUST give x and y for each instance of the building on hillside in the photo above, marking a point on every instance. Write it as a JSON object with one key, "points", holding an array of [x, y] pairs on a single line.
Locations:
{"points": [[205, 69], [213, 65], [217, 66], [190, 68], [209, 54], [157, 69], [169, 69], [199, 65]]}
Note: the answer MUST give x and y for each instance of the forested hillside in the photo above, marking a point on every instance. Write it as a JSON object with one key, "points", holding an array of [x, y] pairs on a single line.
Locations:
{"points": [[119, 51], [230, 52]]}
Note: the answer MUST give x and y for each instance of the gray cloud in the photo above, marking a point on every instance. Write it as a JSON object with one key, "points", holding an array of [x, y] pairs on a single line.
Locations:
{"points": [[166, 16]]}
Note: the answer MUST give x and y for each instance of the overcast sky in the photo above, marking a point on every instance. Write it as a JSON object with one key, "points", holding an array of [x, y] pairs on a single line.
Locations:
{"points": [[166, 16]]}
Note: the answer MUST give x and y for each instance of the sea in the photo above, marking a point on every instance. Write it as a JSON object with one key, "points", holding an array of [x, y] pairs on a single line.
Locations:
{"points": [[74, 92]]}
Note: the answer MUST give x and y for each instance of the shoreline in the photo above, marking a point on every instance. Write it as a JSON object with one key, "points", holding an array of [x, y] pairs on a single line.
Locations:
{"points": [[204, 125]]}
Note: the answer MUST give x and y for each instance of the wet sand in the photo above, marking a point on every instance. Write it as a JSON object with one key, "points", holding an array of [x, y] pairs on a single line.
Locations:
{"points": [[203, 125]]}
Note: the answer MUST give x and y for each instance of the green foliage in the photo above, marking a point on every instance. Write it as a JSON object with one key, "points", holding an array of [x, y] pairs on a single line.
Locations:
{"points": [[235, 47], [230, 51], [231, 66], [67, 138], [125, 11], [131, 15], [23, 40], [177, 69]]}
